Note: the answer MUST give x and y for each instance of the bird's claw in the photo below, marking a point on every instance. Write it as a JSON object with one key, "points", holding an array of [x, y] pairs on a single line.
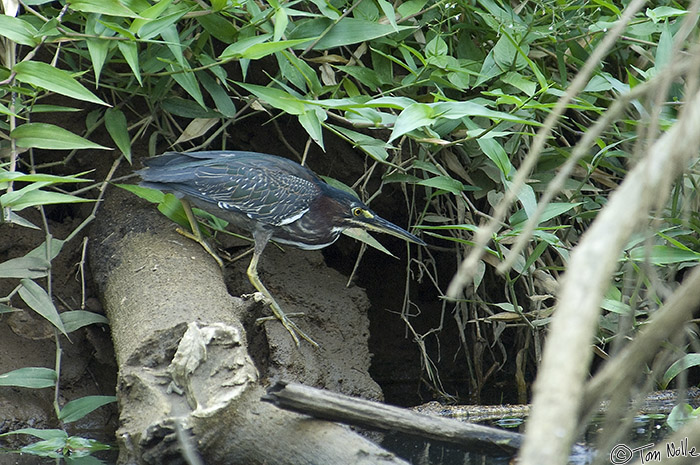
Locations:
{"points": [[203, 243], [288, 324]]}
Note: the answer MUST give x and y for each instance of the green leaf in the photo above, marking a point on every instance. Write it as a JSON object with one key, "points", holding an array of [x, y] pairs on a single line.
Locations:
{"points": [[105, 7], [24, 267], [388, 10], [38, 300], [553, 210], [281, 23], [526, 196], [616, 306], [257, 51], [680, 415], [78, 408], [187, 108], [152, 28], [663, 255], [218, 94], [414, 116], [4, 308], [26, 197], [312, 123], [48, 77], [497, 154], [117, 28], [363, 236], [40, 251], [219, 27], [187, 80], [458, 110], [49, 136], [345, 32], [152, 195], [39, 433], [6, 111], [505, 54], [445, 183], [375, 148], [687, 361], [663, 12], [39, 177], [115, 122], [19, 221], [172, 208], [664, 49], [18, 30], [598, 84], [148, 14], [520, 82], [436, 48], [29, 377], [238, 47], [98, 53], [277, 98], [49, 448], [130, 52], [76, 319]]}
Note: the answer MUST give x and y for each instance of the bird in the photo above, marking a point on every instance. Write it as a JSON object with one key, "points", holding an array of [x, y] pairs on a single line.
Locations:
{"points": [[272, 197]]}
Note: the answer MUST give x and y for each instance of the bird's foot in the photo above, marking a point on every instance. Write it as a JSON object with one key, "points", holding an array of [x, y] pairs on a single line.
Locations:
{"points": [[203, 243], [263, 319], [288, 324]]}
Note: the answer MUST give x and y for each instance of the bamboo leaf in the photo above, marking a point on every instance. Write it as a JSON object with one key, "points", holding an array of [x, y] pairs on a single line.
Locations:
{"points": [[663, 255], [78, 408], [29, 377], [19, 200], [687, 361], [277, 98], [49, 136], [18, 30], [76, 319], [39, 433], [413, 117], [130, 52], [363, 236], [115, 122], [105, 7], [45, 76], [24, 267], [344, 32], [187, 80], [38, 300]]}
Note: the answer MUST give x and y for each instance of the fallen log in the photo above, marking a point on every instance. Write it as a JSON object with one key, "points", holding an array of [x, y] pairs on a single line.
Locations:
{"points": [[187, 385]]}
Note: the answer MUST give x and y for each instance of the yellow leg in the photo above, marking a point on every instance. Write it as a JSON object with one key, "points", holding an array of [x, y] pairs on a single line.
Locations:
{"points": [[196, 235], [276, 310]]}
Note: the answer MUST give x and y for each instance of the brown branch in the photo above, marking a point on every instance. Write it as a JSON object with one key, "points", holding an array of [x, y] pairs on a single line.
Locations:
{"points": [[377, 416]]}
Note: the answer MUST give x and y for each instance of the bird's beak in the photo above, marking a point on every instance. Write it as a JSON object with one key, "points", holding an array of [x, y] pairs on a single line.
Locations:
{"points": [[379, 224]]}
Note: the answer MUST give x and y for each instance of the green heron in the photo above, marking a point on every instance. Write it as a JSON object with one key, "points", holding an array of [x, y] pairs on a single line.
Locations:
{"points": [[272, 197]]}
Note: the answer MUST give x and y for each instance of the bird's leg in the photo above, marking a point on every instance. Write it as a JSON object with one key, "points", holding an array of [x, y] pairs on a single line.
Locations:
{"points": [[196, 234], [252, 272]]}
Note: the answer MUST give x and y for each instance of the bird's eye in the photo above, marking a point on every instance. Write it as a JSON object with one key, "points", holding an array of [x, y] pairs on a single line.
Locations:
{"points": [[357, 211]]}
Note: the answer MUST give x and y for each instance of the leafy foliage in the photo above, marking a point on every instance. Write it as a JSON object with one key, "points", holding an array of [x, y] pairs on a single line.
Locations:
{"points": [[443, 97]]}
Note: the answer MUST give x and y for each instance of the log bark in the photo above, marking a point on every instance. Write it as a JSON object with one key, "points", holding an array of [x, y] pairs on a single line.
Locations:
{"points": [[187, 384]]}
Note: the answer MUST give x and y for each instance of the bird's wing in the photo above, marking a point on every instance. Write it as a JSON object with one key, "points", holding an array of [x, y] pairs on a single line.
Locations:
{"points": [[263, 194]]}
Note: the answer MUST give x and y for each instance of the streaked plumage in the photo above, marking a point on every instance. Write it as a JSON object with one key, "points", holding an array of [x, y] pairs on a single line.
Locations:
{"points": [[272, 197]]}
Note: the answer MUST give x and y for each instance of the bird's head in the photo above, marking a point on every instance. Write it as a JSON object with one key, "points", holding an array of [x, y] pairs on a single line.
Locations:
{"points": [[347, 211]]}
